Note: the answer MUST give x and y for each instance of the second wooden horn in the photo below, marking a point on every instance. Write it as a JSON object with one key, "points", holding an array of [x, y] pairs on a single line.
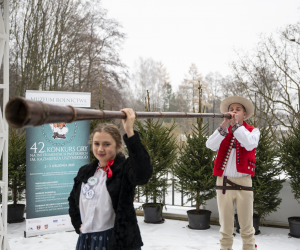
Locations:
{"points": [[21, 112]]}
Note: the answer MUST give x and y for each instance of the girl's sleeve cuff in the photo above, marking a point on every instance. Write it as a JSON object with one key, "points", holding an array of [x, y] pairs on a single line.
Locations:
{"points": [[131, 140]]}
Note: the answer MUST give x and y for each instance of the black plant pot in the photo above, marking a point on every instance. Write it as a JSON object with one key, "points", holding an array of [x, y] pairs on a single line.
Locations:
{"points": [[15, 214], [256, 220], [199, 219], [153, 212], [294, 223]]}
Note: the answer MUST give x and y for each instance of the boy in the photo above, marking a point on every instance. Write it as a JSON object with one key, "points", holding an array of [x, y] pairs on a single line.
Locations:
{"points": [[234, 166]]}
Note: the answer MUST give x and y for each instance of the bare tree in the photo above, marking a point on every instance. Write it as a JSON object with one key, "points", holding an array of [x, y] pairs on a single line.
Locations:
{"points": [[189, 88], [219, 89], [63, 45], [152, 76], [273, 73]]}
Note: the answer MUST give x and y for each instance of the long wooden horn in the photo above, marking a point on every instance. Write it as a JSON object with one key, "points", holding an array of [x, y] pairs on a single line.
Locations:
{"points": [[21, 112]]}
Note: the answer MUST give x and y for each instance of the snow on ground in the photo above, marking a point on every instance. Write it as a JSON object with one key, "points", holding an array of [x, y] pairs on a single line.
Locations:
{"points": [[172, 235]]}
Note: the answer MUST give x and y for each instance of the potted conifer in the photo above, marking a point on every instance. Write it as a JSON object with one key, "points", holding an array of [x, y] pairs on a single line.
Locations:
{"points": [[194, 172], [16, 173], [161, 146], [290, 161]]}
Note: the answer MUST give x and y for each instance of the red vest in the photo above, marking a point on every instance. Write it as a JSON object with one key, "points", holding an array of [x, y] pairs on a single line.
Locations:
{"points": [[245, 160]]}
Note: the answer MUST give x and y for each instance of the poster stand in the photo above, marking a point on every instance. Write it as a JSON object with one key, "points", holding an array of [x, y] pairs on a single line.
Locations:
{"points": [[54, 154]]}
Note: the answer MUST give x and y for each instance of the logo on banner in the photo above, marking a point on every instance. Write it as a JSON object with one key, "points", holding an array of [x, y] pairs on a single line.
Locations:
{"points": [[38, 227], [46, 226], [59, 130], [58, 133], [55, 221]]}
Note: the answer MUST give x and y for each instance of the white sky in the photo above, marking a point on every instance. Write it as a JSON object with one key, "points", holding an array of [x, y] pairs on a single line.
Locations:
{"points": [[179, 33]]}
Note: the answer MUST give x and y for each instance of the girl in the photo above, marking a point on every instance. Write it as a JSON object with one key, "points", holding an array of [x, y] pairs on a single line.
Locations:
{"points": [[101, 202]]}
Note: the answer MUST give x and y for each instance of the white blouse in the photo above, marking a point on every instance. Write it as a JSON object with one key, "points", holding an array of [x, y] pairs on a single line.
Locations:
{"points": [[249, 140], [97, 214]]}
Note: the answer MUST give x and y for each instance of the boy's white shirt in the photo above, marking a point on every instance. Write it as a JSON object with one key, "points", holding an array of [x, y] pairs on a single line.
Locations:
{"points": [[249, 140]]}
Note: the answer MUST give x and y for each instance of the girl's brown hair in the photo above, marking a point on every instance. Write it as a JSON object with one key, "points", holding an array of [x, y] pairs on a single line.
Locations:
{"points": [[111, 129]]}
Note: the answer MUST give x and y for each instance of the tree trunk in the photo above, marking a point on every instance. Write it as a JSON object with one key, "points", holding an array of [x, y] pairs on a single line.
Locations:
{"points": [[154, 195], [197, 202], [15, 193]]}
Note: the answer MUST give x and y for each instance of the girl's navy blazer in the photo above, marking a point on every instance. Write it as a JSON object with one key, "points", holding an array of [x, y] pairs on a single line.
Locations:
{"points": [[127, 173]]}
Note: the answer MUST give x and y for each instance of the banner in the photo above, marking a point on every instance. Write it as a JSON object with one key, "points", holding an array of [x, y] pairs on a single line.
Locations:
{"points": [[54, 153]]}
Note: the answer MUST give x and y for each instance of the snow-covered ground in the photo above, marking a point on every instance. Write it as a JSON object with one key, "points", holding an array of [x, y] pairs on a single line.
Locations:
{"points": [[172, 235]]}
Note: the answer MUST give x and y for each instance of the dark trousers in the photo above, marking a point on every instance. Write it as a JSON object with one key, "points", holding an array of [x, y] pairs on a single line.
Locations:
{"points": [[95, 241]]}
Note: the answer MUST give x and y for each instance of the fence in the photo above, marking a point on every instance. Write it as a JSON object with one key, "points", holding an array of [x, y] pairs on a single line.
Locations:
{"points": [[171, 197], [289, 206]]}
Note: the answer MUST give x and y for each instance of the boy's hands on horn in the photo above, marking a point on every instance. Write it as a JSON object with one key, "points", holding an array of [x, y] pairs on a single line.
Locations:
{"points": [[238, 114], [235, 118]]}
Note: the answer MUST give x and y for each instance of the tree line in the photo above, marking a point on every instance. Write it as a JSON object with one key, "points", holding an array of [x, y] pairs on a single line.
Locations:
{"points": [[66, 45], [72, 45]]}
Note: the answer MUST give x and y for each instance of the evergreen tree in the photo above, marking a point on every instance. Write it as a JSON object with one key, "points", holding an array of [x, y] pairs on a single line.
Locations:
{"points": [[266, 182], [161, 146], [290, 156], [16, 163], [195, 166]]}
